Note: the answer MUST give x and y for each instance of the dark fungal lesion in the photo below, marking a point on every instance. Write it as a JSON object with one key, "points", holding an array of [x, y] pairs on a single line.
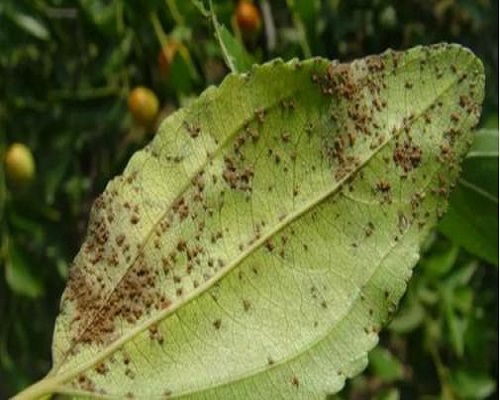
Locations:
{"points": [[136, 296], [355, 90]]}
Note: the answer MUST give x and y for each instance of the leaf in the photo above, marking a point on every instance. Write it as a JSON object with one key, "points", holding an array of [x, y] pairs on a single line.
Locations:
{"points": [[19, 275], [472, 220], [385, 366], [257, 245], [236, 57], [438, 262], [472, 385], [29, 24]]}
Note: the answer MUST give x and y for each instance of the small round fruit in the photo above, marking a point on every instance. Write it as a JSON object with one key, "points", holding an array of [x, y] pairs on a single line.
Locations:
{"points": [[143, 105], [248, 17], [165, 58], [19, 164]]}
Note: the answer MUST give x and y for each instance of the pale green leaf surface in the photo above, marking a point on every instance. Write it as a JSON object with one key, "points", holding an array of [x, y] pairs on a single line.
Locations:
{"points": [[256, 246]]}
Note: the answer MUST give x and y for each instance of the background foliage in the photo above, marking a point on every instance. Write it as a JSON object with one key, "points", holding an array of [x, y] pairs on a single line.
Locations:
{"points": [[66, 69]]}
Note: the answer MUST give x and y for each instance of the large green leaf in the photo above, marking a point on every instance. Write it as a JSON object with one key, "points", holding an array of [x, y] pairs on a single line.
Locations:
{"points": [[257, 245]]}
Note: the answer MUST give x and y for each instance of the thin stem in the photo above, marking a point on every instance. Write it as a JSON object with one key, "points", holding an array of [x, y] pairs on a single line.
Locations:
{"points": [[442, 371], [160, 33], [174, 11], [40, 389], [163, 39]]}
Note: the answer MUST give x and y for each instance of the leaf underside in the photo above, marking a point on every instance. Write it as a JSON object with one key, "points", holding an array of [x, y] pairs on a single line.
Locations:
{"points": [[256, 246]]}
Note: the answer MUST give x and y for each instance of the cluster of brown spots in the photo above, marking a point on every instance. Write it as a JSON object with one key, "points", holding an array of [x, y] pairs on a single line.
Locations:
{"points": [[85, 383], [132, 177], [98, 231], [84, 291], [269, 245], [181, 208], [155, 334], [288, 104], [468, 104], [316, 295], [395, 57], [361, 117], [356, 89], [198, 188], [455, 117], [375, 63], [246, 305], [120, 238], [237, 178], [217, 324], [407, 155], [446, 154], [260, 115], [101, 368], [443, 188], [383, 185], [126, 358], [215, 236], [131, 375], [369, 229], [134, 297], [252, 133], [349, 165], [370, 330], [192, 129], [339, 80], [285, 137], [133, 210]]}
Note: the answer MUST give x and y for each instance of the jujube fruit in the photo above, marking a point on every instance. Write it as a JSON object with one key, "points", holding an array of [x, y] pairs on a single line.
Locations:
{"points": [[143, 105], [248, 17], [19, 164]]}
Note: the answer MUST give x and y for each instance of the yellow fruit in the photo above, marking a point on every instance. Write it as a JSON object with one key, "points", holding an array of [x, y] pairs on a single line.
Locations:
{"points": [[248, 17], [19, 164], [143, 105]]}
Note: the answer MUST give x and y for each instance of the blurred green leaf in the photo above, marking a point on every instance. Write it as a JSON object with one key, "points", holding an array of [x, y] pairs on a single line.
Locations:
{"points": [[19, 273], [442, 258], [384, 365], [409, 317], [471, 385], [472, 218], [389, 394], [463, 299], [307, 9], [30, 25], [180, 79], [457, 327]]}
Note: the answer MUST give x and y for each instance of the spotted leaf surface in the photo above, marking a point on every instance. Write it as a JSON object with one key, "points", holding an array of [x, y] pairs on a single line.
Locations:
{"points": [[255, 248]]}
